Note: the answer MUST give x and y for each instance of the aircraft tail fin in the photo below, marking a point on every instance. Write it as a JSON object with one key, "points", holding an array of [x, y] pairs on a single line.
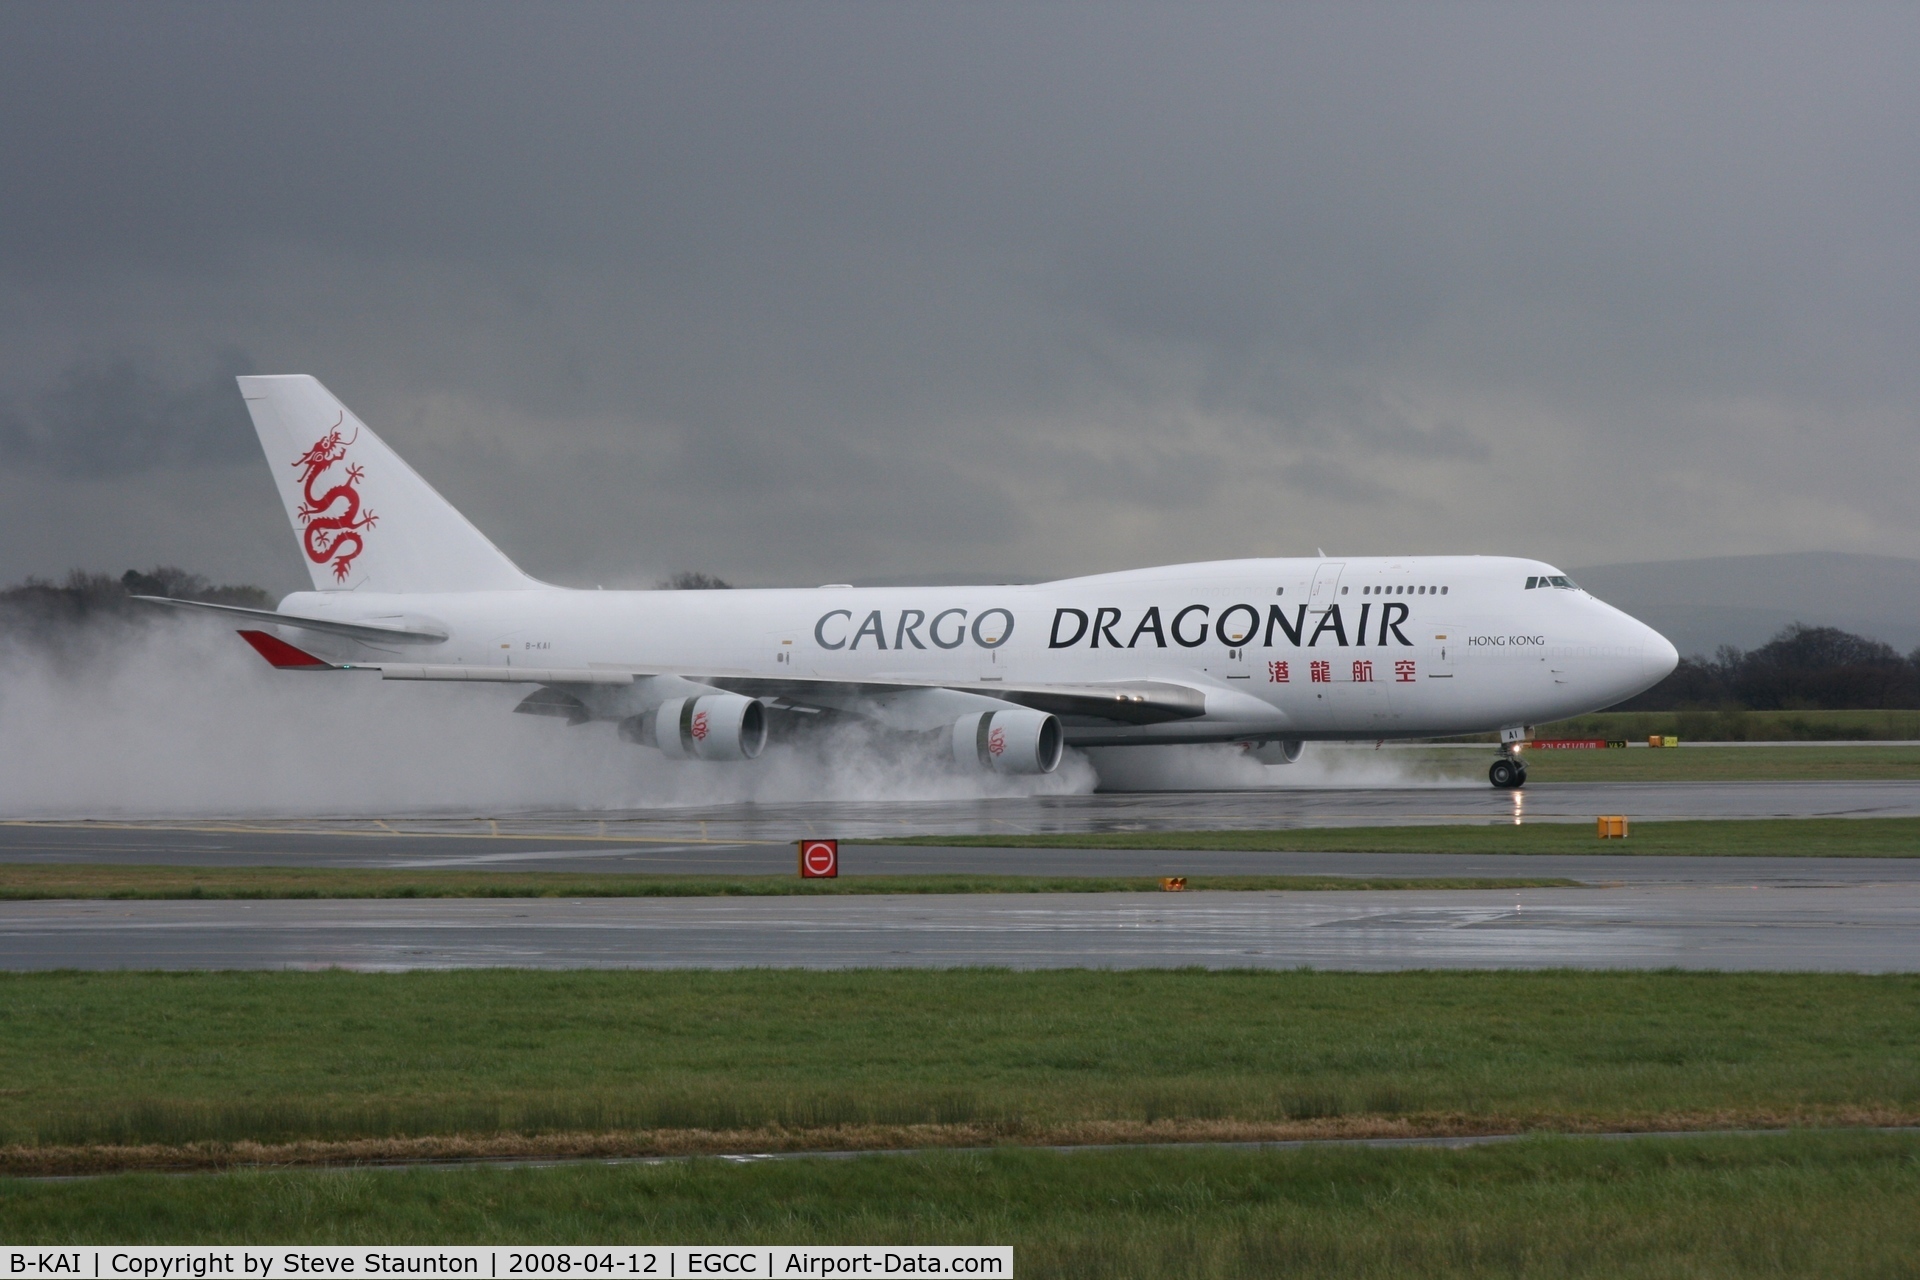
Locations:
{"points": [[364, 519]]}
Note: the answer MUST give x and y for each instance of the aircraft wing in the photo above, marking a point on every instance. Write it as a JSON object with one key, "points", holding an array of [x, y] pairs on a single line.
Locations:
{"points": [[351, 630], [1124, 702]]}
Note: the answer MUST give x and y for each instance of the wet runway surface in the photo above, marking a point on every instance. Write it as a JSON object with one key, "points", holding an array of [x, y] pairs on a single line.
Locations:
{"points": [[1864, 927], [754, 838], [858, 860], [1860, 914]]}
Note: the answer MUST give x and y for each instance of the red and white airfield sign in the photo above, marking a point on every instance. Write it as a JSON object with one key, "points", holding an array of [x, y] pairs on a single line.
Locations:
{"points": [[819, 859]]}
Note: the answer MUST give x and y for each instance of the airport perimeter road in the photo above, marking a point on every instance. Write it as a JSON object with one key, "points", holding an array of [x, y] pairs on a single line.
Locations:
{"points": [[1862, 927], [747, 839]]}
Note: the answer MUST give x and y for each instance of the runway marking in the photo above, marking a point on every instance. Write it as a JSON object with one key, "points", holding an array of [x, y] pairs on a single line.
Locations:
{"points": [[544, 855]]}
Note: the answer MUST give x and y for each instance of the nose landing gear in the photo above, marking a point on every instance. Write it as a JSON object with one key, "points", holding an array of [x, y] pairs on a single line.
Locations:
{"points": [[1509, 773]]}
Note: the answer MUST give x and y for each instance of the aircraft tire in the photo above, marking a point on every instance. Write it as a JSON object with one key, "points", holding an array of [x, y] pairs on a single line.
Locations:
{"points": [[1506, 775]]}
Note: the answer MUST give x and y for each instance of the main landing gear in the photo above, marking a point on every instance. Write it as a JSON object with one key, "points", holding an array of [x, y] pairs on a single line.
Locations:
{"points": [[1509, 773]]}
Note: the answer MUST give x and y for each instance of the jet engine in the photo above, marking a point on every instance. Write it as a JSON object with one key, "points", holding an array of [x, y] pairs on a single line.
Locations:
{"points": [[1285, 751], [714, 726], [1017, 740]]}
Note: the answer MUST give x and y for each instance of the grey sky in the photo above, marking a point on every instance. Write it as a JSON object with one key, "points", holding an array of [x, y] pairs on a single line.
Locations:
{"points": [[800, 293]]}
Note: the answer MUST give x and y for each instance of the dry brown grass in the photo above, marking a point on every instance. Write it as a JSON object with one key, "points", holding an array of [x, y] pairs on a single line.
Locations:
{"points": [[70, 1161]]}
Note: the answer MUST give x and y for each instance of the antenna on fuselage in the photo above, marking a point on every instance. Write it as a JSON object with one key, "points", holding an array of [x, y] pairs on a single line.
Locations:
{"points": [[1321, 552]]}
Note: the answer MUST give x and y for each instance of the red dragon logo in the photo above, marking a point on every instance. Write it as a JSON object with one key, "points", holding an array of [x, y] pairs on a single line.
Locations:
{"points": [[699, 729], [332, 537], [997, 741]]}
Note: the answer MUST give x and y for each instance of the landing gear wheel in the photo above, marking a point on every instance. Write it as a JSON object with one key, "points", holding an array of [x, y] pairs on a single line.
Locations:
{"points": [[1508, 775]]}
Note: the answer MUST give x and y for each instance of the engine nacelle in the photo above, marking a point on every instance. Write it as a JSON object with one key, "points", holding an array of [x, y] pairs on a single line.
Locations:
{"points": [[1017, 740], [1285, 751], [713, 726]]}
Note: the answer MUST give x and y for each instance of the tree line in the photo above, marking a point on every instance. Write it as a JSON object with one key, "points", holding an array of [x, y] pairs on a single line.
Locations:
{"points": [[41, 606], [1802, 668]]}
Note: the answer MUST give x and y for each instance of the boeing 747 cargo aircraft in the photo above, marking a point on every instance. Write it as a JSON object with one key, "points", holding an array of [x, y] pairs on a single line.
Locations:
{"points": [[1270, 653]]}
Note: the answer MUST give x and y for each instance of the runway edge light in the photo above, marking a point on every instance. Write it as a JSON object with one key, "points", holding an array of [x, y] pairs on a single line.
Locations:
{"points": [[819, 859]]}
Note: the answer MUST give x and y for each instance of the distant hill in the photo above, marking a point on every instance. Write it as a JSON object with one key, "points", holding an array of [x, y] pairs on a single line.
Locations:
{"points": [[1745, 600]]}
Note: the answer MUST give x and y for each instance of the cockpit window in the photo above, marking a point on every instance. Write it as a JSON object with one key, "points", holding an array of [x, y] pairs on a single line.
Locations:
{"points": [[1555, 580], [1532, 583]]}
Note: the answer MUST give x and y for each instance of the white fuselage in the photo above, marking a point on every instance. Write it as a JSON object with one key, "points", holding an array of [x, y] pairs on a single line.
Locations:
{"points": [[1361, 648]]}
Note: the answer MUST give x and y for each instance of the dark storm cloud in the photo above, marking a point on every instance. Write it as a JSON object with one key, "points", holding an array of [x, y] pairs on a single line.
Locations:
{"points": [[816, 291], [112, 416]]}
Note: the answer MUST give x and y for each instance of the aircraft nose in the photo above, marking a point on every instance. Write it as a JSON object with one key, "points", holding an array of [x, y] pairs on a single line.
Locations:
{"points": [[1658, 657]]}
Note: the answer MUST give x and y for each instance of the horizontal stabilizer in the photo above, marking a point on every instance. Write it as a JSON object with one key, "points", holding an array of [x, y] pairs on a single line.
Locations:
{"points": [[351, 630], [282, 655]]}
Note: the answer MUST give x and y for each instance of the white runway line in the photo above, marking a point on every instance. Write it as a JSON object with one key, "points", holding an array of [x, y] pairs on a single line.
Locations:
{"points": [[541, 855]]}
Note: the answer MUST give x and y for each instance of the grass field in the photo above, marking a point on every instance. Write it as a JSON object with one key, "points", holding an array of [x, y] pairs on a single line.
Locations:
{"points": [[686, 1061], [1784, 763], [1736, 725], [1758, 837], [1690, 763], [37, 881], [1803, 1204]]}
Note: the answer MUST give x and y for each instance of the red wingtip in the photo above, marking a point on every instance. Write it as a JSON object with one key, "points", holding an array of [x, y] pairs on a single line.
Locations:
{"points": [[283, 655]]}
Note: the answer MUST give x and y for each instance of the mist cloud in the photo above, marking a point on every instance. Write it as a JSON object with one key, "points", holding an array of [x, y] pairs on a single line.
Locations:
{"points": [[178, 719]]}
